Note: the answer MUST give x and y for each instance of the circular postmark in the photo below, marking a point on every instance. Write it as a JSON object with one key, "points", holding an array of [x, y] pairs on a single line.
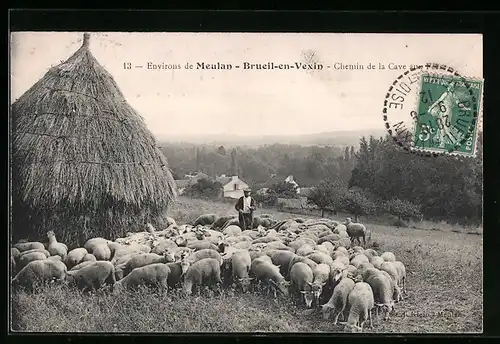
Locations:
{"points": [[433, 110]]}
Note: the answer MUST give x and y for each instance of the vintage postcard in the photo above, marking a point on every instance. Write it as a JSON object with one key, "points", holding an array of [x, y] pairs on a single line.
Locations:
{"points": [[246, 182]]}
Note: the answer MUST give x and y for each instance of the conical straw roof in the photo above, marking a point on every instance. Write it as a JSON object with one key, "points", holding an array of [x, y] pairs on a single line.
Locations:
{"points": [[83, 159]]}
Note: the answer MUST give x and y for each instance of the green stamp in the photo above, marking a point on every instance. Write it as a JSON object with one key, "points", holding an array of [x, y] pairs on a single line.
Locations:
{"points": [[447, 114]]}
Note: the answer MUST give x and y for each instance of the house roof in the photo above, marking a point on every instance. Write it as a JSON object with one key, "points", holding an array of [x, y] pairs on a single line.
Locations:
{"points": [[225, 180], [274, 180]]}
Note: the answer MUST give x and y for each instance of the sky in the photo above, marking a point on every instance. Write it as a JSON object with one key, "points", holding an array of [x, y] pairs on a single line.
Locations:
{"points": [[177, 102]]}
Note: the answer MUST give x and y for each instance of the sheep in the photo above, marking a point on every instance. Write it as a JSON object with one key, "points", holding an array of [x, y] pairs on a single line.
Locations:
{"points": [[39, 271], [336, 269], [14, 252], [330, 237], [359, 259], [391, 269], [269, 274], [55, 258], [361, 303], [81, 265], [205, 253], [321, 248], [25, 259], [204, 271], [265, 240], [321, 275], [25, 246], [177, 271], [395, 290], [44, 251], [56, 248], [338, 302], [340, 228], [299, 242], [283, 259], [205, 220], [231, 222], [338, 254], [370, 253], [262, 221], [101, 252], [149, 275], [388, 256], [305, 250], [256, 254], [92, 276], [342, 259], [356, 231], [91, 243], [240, 268], [232, 230], [377, 261], [329, 246], [349, 271], [243, 245], [305, 260], [325, 233], [75, 256], [320, 258], [382, 292], [202, 245], [400, 267], [140, 260], [162, 246], [301, 279], [221, 221], [277, 245]]}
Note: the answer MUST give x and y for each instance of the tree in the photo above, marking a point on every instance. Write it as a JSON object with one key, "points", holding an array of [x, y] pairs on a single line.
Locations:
{"points": [[327, 195], [358, 203], [284, 190], [403, 209], [198, 160], [204, 188], [221, 150], [234, 164]]}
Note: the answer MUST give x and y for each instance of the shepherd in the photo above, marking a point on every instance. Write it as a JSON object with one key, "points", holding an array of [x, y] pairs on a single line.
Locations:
{"points": [[245, 207]]}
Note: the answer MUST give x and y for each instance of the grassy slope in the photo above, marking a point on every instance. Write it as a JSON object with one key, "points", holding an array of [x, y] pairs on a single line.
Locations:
{"points": [[444, 285]]}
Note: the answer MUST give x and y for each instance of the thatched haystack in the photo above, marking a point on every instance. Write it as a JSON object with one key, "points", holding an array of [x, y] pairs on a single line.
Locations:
{"points": [[83, 161]]}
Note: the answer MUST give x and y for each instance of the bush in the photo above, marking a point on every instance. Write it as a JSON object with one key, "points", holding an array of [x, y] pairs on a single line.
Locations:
{"points": [[284, 190], [204, 188], [403, 209], [358, 203]]}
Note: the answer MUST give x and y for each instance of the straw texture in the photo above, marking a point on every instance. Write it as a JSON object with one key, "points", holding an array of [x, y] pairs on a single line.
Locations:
{"points": [[83, 161]]}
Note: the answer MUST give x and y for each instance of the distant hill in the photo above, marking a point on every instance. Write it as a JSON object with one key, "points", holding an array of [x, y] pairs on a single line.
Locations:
{"points": [[334, 138]]}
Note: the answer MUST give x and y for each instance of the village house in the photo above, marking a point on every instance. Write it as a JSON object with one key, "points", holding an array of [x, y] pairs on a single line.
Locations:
{"points": [[232, 186]]}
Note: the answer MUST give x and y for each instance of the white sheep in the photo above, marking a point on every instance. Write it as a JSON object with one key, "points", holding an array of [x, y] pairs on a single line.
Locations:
{"points": [[401, 275], [177, 271], [336, 269], [283, 259], [92, 276], [203, 272], [81, 265], [377, 261], [359, 259], [44, 251], [338, 302], [27, 258], [342, 259], [149, 275], [321, 275], [391, 269], [240, 269], [232, 230], [320, 258], [205, 253], [91, 243], [140, 260], [361, 302], [101, 252], [270, 275], [301, 279], [25, 246], [37, 272], [329, 246], [305, 250], [382, 292], [75, 257], [162, 245], [56, 248], [356, 231], [388, 256], [202, 245]]}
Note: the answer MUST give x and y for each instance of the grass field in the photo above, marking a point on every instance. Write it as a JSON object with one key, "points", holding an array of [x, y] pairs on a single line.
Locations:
{"points": [[444, 285]]}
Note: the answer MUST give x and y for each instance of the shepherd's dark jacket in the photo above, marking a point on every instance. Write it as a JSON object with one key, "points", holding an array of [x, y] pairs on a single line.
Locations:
{"points": [[239, 204]]}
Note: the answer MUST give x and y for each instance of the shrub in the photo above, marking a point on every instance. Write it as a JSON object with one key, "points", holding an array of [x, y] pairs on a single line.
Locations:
{"points": [[358, 203], [204, 188], [403, 209]]}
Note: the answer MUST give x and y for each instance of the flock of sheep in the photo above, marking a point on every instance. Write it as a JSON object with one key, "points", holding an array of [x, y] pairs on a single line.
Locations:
{"points": [[314, 260]]}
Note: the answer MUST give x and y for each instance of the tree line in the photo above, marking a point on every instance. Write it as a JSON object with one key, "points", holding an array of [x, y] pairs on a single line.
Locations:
{"points": [[376, 177]]}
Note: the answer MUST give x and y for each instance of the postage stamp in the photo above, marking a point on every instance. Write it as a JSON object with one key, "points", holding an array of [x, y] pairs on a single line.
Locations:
{"points": [[447, 114]]}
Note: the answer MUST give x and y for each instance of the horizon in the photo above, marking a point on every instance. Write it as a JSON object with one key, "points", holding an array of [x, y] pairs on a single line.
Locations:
{"points": [[188, 103]]}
